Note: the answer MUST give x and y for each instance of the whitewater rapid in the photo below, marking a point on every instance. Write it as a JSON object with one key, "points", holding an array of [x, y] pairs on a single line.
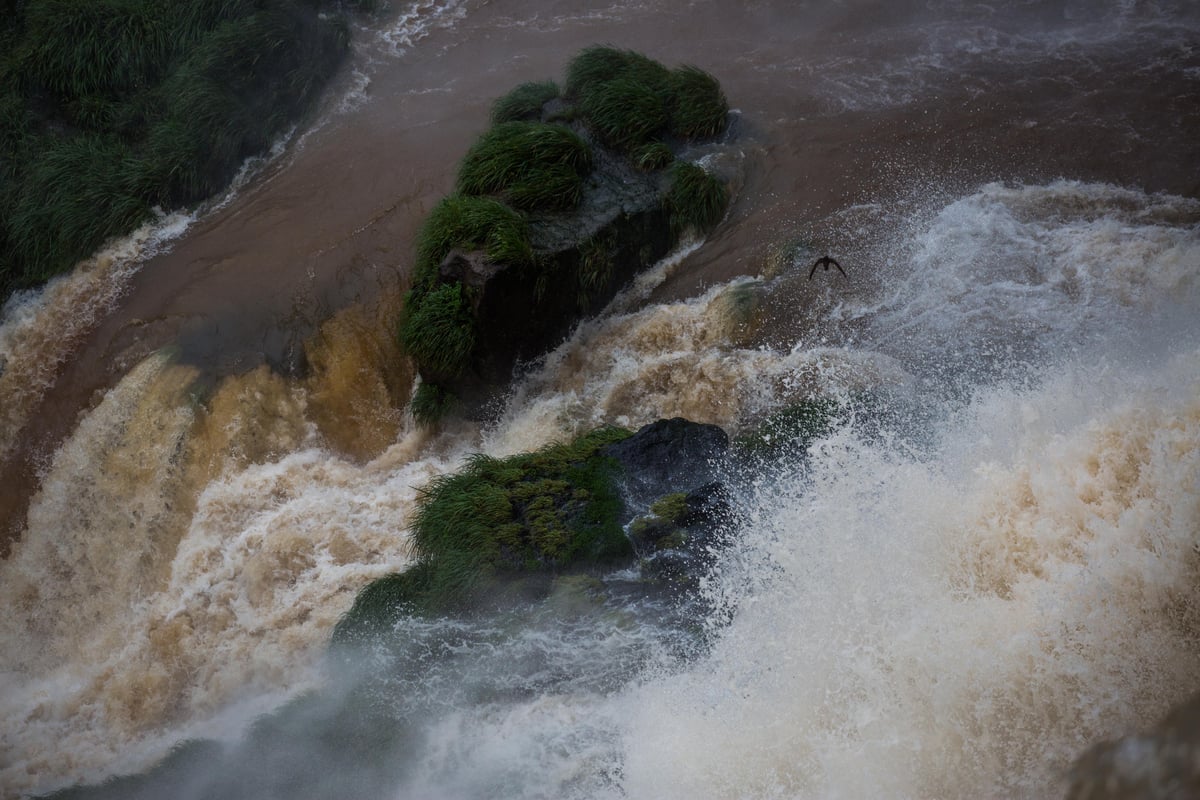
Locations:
{"points": [[955, 607]]}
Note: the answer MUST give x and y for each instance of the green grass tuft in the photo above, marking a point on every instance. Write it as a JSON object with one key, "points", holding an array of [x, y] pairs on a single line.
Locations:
{"points": [[382, 601], [430, 403], [532, 164], [698, 106], [524, 102], [439, 329], [73, 198], [597, 65], [625, 112], [470, 223], [696, 199], [652, 156]]}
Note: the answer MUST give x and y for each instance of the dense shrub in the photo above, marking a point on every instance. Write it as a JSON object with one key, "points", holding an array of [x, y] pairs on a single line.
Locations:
{"points": [[110, 107]]}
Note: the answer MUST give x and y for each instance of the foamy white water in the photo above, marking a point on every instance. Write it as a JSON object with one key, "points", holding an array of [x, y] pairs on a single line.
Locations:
{"points": [[954, 611], [955, 626]]}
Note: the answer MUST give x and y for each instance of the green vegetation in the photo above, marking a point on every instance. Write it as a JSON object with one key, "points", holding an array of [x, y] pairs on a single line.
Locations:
{"points": [[440, 330], [698, 106], [498, 521], [523, 165], [633, 101], [470, 223], [595, 66], [653, 156], [111, 107], [671, 507], [696, 199], [524, 102], [430, 403], [659, 530], [627, 113], [532, 165]]}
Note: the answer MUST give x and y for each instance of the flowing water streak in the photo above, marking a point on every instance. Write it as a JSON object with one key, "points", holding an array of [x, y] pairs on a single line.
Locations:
{"points": [[39, 329], [146, 611]]}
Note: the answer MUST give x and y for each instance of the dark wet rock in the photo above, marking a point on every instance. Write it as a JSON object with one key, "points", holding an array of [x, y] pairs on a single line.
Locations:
{"points": [[667, 456], [679, 538], [582, 258], [1160, 764]]}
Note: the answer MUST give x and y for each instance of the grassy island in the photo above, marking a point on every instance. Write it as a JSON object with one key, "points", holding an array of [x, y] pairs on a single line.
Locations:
{"points": [[549, 162]]}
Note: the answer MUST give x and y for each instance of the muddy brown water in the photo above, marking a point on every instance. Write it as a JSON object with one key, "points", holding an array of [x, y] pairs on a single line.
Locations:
{"points": [[839, 104]]}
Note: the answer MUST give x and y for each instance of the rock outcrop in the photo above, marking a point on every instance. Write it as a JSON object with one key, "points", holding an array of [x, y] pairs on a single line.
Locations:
{"points": [[567, 197], [508, 530]]}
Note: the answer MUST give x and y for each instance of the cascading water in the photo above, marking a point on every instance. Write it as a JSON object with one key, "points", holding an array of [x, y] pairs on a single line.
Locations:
{"points": [[979, 573]]}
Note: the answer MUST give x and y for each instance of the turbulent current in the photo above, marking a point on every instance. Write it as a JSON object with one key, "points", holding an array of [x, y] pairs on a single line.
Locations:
{"points": [[954, 603]]}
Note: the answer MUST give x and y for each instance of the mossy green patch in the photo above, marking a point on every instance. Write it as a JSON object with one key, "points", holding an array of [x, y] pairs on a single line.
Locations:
{"points": [[793, 428], [498, 520], [524, 102], [671, 507]]}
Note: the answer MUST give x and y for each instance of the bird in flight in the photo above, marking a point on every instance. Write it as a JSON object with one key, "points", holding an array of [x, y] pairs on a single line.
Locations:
{"points": [[825, 261]]}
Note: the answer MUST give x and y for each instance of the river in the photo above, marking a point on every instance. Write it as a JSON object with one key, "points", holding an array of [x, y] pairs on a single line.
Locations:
{"points": [[203, 456]]}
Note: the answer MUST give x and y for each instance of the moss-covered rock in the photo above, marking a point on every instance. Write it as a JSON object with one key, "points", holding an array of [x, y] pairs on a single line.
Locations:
{"points": [[504, 530], [558, 206], [489, 528]]}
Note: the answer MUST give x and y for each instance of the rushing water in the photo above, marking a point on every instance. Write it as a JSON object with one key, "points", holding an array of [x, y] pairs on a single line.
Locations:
{"points": [[203, 461]]}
